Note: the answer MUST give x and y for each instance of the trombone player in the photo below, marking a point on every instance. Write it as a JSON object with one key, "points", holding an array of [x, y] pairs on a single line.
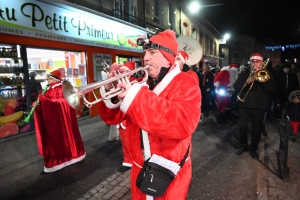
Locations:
{"points": [[253, 87]]}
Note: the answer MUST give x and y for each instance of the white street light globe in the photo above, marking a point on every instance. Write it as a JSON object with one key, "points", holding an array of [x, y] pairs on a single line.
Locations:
{"points": [[226, 36], [194, 7]]}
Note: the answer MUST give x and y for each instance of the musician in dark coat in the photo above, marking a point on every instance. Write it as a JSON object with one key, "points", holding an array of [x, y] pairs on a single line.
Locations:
{"points": [[254, 104]]}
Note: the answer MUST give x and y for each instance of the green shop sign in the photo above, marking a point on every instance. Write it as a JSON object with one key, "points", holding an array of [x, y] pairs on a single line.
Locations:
{"points": [[67, 24]]}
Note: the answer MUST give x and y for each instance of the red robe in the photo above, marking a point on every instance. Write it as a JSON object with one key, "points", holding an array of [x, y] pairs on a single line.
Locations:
{"points": [[57, 131], [170, 114], [194, 75], [223, 80]]}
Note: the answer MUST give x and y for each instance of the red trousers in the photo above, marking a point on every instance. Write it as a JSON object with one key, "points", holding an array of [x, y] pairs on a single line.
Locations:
{"points": [[295, 126], [127, 161], [223, 102]]}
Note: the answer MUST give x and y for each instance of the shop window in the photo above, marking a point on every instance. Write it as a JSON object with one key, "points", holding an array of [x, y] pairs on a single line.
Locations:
{"points": [[71, 64], [13, 101]]}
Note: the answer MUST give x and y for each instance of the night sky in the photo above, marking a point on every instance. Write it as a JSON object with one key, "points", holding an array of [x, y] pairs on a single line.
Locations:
{"points": [[274, 19]]}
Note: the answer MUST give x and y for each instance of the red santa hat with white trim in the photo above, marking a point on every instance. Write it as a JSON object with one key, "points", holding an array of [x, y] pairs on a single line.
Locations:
{"points": [[255, 57], [184, 56], [56, 74]]}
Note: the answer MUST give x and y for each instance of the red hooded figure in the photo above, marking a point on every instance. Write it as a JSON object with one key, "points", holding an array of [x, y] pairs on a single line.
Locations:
{"points": [[223, 82]]}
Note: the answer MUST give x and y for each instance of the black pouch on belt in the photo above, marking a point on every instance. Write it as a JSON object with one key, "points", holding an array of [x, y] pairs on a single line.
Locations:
{"points": [[154, 179]]}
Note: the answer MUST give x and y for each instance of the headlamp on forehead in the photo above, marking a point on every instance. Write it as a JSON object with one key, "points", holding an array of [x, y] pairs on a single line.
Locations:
{"points": [[147, 44], [142, 41]]}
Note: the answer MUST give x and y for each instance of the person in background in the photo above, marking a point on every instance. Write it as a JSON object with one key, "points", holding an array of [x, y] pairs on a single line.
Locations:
{"points": [[293, 111], [35, 86], [127, 161], [156, 113], [57, 132], [287, 82], [207, 85], [223, 82], [182, 57], [254, 106]]}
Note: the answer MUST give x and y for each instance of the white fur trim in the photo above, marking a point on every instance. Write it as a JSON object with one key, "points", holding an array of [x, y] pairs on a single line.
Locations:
{"points": [[132, 92], [217, 84], [127, 164], [122, 126], [137, 165], [56, 85], [167, 79], [182, 58], [233, 73], [58, 167], [256, 58], [146, 142], [108, 102]]}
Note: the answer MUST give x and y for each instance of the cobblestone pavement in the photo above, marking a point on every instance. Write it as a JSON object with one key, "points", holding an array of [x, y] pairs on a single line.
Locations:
{"points": [[270, 185], [115, 187]]}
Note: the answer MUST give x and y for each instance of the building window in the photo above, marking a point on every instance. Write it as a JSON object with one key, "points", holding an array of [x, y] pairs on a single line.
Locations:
{"points": [[156, 11], [236, 55], [170, 13], [236, 43], [194, 33], [185, 29], [206, 45]]}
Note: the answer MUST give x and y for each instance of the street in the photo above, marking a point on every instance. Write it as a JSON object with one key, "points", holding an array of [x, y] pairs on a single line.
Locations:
{"points": [[218, 173]]}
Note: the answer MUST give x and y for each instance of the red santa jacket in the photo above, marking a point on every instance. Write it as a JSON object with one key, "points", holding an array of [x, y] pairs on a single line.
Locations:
{"points": [[163, 114]]}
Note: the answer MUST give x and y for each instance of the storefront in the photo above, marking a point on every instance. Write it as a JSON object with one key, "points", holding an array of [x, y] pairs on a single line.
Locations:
{"points": [[38, 37]]}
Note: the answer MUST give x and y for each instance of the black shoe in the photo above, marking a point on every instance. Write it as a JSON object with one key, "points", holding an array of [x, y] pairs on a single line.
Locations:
{"points": [[43, 173], [264, 133], [241, 150], [123, 169], [253, 154]]}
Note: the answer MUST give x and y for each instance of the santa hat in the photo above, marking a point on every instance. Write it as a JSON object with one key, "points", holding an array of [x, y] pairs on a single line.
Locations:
{"points": [[130, 65], [56, 74], [294, 94], [233, 66], [184, 56], [166, 43], [256, 56]]}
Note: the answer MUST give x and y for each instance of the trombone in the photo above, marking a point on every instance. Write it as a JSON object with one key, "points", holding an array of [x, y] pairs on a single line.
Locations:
{"points": [[73, 95], [261, 75]]}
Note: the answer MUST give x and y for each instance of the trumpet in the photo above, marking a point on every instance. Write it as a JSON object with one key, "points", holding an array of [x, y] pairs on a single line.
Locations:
{"points": [[261, 75], [73, 95]]}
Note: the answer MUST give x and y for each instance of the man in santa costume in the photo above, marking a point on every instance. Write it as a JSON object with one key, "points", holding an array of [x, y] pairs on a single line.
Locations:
{"points": [[56, 127], [127, 161], [182, 57], [223, 82], [157, 112]]}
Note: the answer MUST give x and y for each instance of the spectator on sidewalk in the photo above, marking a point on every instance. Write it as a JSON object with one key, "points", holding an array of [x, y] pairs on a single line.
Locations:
{"points": [[293, 111], [57, 132]]}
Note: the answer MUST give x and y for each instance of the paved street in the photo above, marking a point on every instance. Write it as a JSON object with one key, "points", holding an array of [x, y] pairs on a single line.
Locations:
{"points": [[218, 173]]}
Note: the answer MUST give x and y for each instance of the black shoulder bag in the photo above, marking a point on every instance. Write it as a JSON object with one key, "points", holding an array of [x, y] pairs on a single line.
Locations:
{"points": [[154, 179]]}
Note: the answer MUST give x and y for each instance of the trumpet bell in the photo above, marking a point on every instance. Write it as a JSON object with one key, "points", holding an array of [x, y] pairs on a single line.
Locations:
{"points": [[70, 94]]}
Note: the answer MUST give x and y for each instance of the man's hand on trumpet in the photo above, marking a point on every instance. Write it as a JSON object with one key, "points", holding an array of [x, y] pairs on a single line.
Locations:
{"points": [[114, 70], [125, 87]]}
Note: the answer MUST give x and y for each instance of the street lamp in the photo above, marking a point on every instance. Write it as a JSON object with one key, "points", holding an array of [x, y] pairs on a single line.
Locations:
{"points": [[226, 36], [194, 7]]}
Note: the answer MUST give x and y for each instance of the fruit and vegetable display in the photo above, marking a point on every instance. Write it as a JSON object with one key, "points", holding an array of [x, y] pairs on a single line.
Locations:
{"points": [[12, 116], [128, 40]]}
